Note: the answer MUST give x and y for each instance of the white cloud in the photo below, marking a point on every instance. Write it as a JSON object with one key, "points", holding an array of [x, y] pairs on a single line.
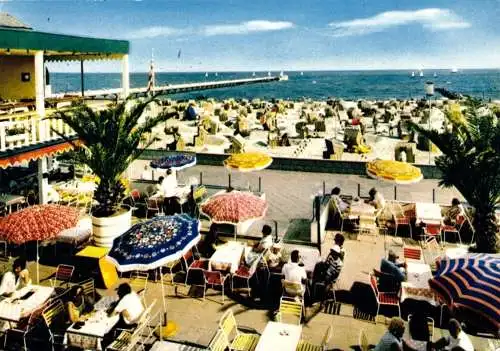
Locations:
{"points": [[247, 27], [156, 31], [430, 18]]}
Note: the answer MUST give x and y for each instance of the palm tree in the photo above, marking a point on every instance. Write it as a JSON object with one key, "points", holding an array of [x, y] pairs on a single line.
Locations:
{"points": [[108, 142], [471, 163]]}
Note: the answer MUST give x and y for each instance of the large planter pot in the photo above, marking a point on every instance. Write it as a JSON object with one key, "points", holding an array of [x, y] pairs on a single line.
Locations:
{"points": [[106, 229]]}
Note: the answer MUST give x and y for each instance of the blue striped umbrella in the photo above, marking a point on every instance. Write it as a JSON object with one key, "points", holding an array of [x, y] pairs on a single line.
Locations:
{"points": [[175, 161], [154, 243], [472, 282]]}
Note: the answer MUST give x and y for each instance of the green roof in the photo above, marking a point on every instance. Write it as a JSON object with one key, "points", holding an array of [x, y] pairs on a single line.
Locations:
{"points": [[62, 47]]}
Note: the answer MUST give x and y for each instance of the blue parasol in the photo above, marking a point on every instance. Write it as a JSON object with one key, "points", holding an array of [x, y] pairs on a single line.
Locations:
{"points": [[176, 161], [472, 282], [154, 243]]}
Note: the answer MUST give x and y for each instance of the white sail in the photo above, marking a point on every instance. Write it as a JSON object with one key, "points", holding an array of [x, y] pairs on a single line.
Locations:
{"points": [[454, 70]]}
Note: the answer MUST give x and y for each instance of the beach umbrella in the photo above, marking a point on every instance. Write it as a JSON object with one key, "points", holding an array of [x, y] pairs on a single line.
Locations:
{"points": [[151, 244], [472, 282], [37, 223], [234, 207], [394, 171], [248, 161], [176, 161]]}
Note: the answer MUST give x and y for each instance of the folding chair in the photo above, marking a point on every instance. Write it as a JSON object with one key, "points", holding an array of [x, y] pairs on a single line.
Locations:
{"points": [[455, 229], [24, 328], [192, 264], [292, 308], [246, 274], [307, 346], [412, 253], [432, 231], [219, 342], [214, 278], [152, 204], [88, 287], [53, 316], [139, 282], [400, 217], [384, 298], [63, 275], [237, 340], [430, 325]]}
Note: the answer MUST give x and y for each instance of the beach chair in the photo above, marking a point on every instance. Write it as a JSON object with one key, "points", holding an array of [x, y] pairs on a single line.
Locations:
{"points": [[290, 308], [237, 339], [384, 298], [307, 346]]}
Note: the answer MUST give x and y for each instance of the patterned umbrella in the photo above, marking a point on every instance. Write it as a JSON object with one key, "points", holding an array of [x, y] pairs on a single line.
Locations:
{"points": [[472, 282], [248, 161], [175, 161], [394, 171], [234, 207], [153, 243], [40, 222]]}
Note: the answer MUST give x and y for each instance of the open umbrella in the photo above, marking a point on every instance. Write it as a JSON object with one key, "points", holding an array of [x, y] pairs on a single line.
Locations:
{"points": [[472, 282], [37, 223], [176, 161], [394, 171], [248, 161], [234, 207], [152, 244]]}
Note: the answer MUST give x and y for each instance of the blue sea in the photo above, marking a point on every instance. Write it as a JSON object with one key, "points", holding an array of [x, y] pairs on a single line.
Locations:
{"points": [[311, 84]]}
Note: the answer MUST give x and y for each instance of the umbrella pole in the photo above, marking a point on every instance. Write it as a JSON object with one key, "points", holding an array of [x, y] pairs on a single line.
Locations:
{"points": [[37, 266], [165, 329]]}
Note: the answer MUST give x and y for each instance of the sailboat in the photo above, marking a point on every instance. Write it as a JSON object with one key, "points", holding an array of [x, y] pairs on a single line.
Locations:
{"points": [[301, 73], [216, 74], [413, 74], [421, 73], [206, 74], [454, 70], [269, 74], [253, 74], [435, 74]]}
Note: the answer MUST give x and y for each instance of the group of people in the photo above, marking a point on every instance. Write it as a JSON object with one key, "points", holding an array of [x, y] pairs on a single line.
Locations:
{"points": [[167, 189], [376, 199], [420, 339]]}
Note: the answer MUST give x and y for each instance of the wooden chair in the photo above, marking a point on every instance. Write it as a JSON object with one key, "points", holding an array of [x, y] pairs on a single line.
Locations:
{"points": [[290, 308], [307, 346], [237, 340], [62, 276], [53, 316], [214, 278], [383, 298], [219, 342]]}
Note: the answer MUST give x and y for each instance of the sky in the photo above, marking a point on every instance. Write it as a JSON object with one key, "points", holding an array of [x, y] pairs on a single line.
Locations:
{"points": [[262, 35]]}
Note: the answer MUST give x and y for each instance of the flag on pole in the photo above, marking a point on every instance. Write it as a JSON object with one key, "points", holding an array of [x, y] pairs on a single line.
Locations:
{"points": [[151, 78]]}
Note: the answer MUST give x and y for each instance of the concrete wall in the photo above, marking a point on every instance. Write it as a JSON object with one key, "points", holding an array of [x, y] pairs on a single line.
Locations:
{"points": [[297, 164], [11, 85]]}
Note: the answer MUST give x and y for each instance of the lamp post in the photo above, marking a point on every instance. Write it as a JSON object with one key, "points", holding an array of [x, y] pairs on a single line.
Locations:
{"points": [[429, 92]]}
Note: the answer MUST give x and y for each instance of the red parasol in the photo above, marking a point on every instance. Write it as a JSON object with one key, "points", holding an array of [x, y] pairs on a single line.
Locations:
{"points": [[40, 222], [234, 207]]}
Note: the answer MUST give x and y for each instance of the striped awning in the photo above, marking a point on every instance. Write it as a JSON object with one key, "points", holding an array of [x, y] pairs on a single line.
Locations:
{"points": [[472, 282], [18, 158]]}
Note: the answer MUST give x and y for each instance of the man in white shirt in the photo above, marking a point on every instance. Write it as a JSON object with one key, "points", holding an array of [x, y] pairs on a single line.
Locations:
{"points": [[170, 193], [129, 307], [457, 341], [293, 272], [9, 285]]}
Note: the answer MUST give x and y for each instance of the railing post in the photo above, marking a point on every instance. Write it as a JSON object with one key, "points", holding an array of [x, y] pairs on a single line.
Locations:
{"points": [[34, 134], [395, 192], [324, 188], [433, 195], [229, 180], [359, 190], [260, 184], [201, 178]]}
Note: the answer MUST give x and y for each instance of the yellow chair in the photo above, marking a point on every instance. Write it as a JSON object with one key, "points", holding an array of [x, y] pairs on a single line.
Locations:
{"points": [[139, 282], [219, 342], [241, 341], [307, 346], [291, 308]]}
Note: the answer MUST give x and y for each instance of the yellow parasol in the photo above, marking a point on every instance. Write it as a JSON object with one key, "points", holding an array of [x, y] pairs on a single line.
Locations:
{"points": [[394, 171], [248, 161]]}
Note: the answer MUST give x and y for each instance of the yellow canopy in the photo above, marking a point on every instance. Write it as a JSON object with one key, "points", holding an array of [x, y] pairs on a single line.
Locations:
{"points": [[248, 161], [394, 171]]}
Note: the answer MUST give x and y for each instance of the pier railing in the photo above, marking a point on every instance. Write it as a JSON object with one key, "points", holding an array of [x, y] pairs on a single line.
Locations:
{"points": [[30, 130]]}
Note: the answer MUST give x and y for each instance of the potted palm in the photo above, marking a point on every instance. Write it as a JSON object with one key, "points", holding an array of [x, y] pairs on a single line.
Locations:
{"points": [[108, 142]]}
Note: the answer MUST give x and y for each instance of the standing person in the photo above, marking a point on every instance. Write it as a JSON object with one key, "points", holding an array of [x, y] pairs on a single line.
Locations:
{"points": [[392, 340], [169, 188], [457, 341]]}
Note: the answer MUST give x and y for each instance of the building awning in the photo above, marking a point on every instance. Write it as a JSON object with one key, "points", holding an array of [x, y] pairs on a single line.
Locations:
{"points": [[60, 47], [33, 153]]}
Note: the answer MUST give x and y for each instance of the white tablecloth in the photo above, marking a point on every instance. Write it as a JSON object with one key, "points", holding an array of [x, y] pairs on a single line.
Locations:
{"points": [[227, 257], [279, 336], [171, 346], [89, 336], [417, 285], [11, 310], [456, 252], [428, 213], [360, 208]]}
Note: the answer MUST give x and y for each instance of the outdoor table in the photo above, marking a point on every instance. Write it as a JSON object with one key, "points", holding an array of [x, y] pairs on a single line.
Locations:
{"points": [[227, 257], [428, 213], [13, 310], [90, 335], [76, 235], [173, 346], [360, 208], [279, 336], [11, 199], [417, 285]]}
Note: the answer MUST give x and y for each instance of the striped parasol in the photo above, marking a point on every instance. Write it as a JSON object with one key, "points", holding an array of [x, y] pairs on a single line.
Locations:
{"points": [[472, 282]]}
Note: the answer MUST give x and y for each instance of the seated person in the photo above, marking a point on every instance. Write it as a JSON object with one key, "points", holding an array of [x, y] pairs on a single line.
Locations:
{"points": [[274, 256], [77, 305], [333, 265], [390, 266], [456, 209], [456, 341], [264, 244], [209, 244], [376, 199], [339, 240], [295, 273], [16, 279], [340, 204], [53, 196], [158, 191], [392, 340], [129, 306]]}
